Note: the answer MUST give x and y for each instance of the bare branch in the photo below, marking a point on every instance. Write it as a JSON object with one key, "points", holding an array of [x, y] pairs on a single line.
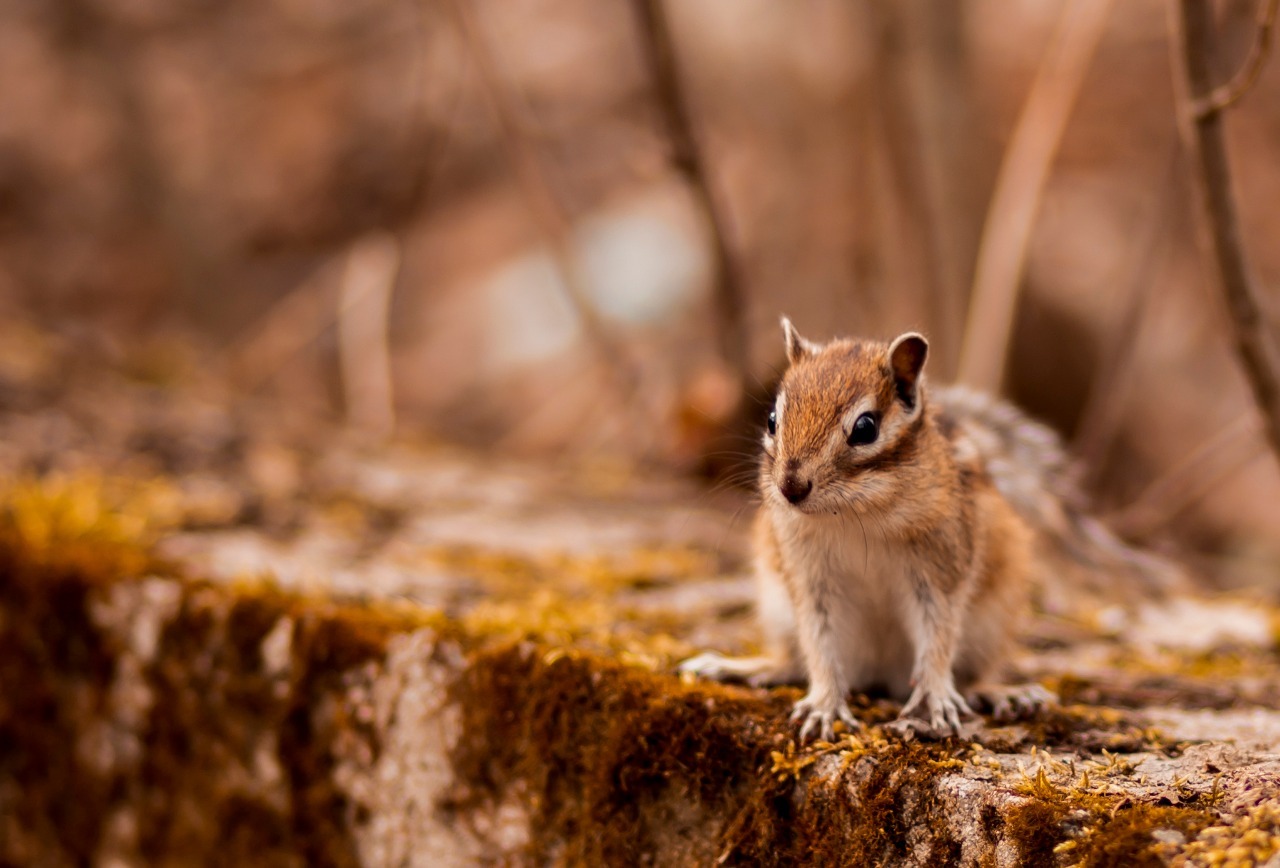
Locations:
{"points": [[1194, 476], [373, 265], [868, 257], [931, 283], [688, 159], [113, 65], [1192, 46], [1228, 94], [286, 329], [351, 290], [1019, 187], [939, 166]]}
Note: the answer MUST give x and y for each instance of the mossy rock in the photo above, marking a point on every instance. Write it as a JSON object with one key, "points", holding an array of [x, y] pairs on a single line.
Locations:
{"points": [[151, 719]]}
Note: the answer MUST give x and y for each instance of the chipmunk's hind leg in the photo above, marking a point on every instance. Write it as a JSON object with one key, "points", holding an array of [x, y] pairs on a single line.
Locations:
{"points": [[780, 664], [1009, 702], [761, 671]]}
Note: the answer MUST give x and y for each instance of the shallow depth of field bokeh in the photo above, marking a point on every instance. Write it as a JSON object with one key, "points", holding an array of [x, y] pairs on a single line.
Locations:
{"points": [[427, 221]]}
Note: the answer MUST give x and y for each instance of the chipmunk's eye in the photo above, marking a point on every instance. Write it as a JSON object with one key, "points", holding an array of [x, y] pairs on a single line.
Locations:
{"points": [[773, 422], [865, 430]]}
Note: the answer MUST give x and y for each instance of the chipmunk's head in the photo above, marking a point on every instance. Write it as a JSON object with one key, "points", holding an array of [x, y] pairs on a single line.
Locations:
{"points": [[845, 420]]}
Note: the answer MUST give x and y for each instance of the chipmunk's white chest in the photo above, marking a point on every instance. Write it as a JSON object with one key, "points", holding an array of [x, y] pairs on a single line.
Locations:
{"points": [[863, 581]]}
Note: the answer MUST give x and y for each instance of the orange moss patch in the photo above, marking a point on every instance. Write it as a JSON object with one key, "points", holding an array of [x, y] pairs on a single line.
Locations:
{"points": [[601, 750], [618, 765], [1074, 827], [879, 807], [197, 788], [1128, 836], [54, 667], [613, 763]]}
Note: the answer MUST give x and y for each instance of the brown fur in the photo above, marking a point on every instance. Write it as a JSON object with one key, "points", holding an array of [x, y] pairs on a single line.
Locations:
{"points": [[895, 562]]}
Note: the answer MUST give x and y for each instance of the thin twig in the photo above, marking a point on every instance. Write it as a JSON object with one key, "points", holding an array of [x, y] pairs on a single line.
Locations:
{"points": [[688, 158], [115, 67], [1191, 24], [556, 227], [1228, 94], [1024, 172], [289, 326], [373, 265], [1193, 476], [904, 153], [868, 258]]}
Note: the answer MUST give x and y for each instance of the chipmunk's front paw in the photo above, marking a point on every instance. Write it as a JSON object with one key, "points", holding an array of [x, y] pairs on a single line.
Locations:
{"points": [[753, 671], [1012, 702], [709, 664], [943, 709], [817, 716]]}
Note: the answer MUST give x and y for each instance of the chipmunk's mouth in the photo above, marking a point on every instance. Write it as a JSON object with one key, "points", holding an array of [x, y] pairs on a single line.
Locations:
{"points": [[804, 496], [808, 506]]}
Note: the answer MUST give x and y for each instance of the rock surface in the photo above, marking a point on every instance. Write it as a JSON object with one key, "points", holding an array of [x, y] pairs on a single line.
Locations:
{"points": [[248, 652]]}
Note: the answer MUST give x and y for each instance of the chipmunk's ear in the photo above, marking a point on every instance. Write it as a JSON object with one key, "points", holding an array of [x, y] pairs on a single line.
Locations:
{"points": [[906, 356], [798, 348]]}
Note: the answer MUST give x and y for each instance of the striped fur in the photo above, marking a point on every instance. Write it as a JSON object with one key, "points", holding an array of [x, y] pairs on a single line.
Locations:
{"points": [[902, 562], [1029, 465]]}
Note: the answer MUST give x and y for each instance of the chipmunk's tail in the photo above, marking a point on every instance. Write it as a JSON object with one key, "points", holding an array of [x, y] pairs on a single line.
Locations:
{"points": [[1030, 467]]}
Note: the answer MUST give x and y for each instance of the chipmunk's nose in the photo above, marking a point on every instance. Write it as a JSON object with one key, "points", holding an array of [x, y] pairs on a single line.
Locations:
{"points": [[793, 489]]}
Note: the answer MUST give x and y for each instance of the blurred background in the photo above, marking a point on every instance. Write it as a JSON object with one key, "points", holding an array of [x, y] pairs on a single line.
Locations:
{"points": [[564, 229]]}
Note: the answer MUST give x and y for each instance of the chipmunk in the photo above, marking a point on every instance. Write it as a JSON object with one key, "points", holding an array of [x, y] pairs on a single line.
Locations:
{"points": [[896, 541]]}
